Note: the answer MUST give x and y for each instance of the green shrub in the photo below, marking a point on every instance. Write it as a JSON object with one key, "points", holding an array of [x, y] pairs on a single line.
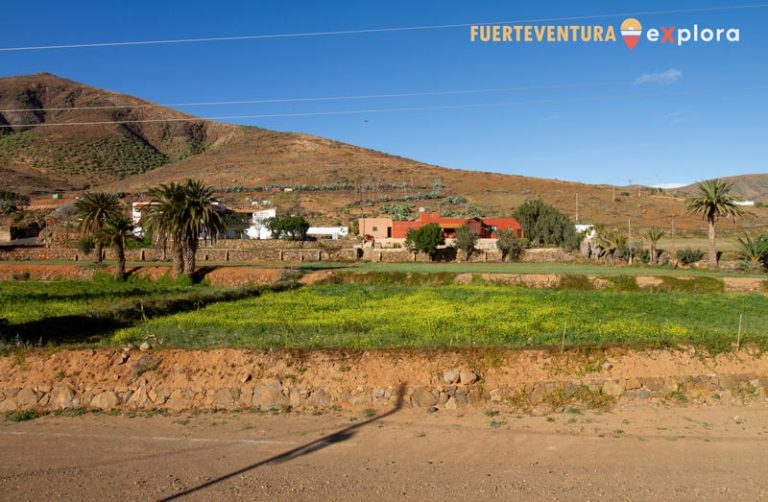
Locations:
{"points": [[544, 225], [624, 282], [85, 244], [21, 416], [687, 256], [577, 282], [690, 285], [510, 245], [425, 239], [465, 240]]}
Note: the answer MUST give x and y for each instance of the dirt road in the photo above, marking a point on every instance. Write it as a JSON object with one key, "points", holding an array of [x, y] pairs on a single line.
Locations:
{"points": [[635, 453]]}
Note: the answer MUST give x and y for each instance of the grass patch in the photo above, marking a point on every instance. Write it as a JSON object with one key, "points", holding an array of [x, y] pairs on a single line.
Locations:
{"points": [[73, 312], [576, 282], [21, 416], [409, 316], [690, 285]]}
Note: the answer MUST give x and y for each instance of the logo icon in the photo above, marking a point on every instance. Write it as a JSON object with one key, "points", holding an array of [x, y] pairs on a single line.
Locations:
{"points": [[631, 29]]}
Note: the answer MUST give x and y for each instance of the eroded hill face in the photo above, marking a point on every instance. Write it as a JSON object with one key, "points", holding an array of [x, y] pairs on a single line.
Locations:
{"points": [[36, 155]]}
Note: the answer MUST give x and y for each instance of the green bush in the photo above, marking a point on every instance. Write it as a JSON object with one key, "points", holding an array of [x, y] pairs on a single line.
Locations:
{"points": [[425, 239], [577, 282], [510, 245], [465, 241], [85, 244], [289, 227], [687, 256], [623, 282], [544, 225]]}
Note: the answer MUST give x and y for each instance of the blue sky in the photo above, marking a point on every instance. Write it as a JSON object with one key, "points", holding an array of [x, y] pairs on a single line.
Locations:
{"points": [[658, 114]]}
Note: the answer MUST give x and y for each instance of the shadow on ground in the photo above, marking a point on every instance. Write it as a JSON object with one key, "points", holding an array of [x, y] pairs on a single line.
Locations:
{"points": [[306, 449]]}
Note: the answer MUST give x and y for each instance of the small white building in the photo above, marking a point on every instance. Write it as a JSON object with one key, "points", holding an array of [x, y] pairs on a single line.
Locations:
{"points": [[583, 228], [258, 228], [332, 232], [750, 203], [136, 209]]}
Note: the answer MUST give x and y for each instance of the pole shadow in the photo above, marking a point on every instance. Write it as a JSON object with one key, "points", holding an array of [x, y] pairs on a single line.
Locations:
{"points": [[306, 449]]}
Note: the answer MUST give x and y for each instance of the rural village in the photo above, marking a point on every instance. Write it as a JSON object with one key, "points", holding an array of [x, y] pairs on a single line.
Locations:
{"points": [[196, 306]]}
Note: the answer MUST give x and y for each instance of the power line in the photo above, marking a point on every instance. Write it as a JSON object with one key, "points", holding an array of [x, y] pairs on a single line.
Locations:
{"points": [[374, 30], [372, 110], [324, 98]]}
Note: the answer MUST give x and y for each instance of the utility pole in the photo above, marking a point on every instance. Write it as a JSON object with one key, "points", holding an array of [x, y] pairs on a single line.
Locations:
{"points": [[673, 237], [629, 228], [577, 207], [614, 193]]}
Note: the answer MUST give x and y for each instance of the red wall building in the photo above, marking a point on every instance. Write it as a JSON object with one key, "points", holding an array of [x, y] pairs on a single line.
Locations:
{"points": [[485, 228]]}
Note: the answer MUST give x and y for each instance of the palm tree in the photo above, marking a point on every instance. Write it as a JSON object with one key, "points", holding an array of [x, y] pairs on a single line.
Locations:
{"points": [[753, 250], [713, 200], [116, 232], [612, 242], [93, 209], [200, 220], [163, 218], [183, 213], [653, 235]]}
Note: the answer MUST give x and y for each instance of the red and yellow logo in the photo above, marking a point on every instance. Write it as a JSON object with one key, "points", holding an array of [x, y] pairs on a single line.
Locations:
{"points": [[631, 30]]}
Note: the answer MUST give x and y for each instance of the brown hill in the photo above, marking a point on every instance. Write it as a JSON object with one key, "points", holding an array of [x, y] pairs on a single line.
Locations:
{"points": [[332, 181], [36, 156], [749, 186]]}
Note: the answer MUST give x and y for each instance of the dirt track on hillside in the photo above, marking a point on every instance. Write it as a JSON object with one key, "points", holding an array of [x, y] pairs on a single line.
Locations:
{"points": [[633, 453]]}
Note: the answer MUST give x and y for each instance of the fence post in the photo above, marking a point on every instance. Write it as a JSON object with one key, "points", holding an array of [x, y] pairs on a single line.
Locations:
{"points": [[738, 335], [562, 342]]}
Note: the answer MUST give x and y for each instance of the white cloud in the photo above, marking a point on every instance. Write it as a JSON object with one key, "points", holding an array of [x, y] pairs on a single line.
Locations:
{"points": [[668, 186], [661, 77]]}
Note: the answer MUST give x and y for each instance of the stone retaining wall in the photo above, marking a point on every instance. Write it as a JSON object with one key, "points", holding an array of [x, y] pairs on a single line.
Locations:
{"points": [[266, 254], [531, 381]]}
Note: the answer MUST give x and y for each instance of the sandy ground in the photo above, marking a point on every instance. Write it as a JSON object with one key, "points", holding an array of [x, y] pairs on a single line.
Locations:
{"points": [[632, 453]]}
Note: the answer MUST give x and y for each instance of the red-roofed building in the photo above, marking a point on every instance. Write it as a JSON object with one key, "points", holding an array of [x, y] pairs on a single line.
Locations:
{"points": [[485, 228]]}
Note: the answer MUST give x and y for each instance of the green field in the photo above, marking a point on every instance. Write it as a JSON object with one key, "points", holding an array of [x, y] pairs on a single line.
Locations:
{"points": [[26, 301], [545, 268], [76, 312], [413, 316]]}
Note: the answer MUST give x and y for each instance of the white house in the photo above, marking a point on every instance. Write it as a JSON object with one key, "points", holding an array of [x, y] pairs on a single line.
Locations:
{"points": [[258, 228], [136, 209], [744, 202], [333, 232]]}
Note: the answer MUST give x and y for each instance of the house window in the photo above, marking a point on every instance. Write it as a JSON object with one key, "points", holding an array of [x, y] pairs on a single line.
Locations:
{"points": [[375, 228]]}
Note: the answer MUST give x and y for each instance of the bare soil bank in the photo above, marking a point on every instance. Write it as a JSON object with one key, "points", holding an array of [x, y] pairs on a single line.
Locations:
{"points": [[533, 381]]}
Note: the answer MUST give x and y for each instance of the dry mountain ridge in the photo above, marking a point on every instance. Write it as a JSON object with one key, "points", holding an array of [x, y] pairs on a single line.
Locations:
{"points": [[337, 181]]}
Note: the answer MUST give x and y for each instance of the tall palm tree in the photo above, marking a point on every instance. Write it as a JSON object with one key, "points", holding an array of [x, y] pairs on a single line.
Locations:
{"points": [[713, 200], [200, 220], [93, 209], [183, 213], [116, 231], [163, 218], [653, 235]]}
